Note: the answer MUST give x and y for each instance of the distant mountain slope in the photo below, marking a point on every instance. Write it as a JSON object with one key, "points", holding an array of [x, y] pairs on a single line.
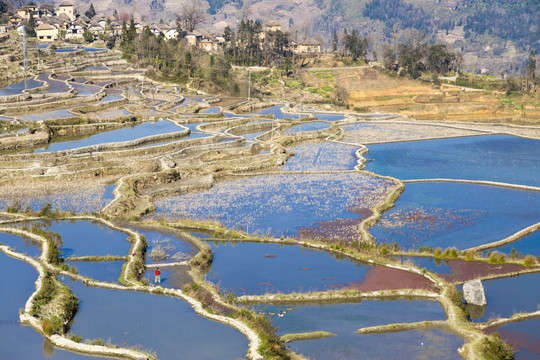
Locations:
{"points": [[494, 35]]}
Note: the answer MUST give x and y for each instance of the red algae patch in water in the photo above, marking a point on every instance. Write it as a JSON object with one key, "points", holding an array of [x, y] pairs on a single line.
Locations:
{"points": [[379, 278], [335, 230], [468, 270]]}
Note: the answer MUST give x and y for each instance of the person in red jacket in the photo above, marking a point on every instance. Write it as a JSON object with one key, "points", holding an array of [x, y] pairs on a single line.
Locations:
{"points": [[157, 279]]}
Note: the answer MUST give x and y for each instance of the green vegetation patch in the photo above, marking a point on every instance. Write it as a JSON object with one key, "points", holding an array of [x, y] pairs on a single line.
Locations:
{"points": [[325, 76]]}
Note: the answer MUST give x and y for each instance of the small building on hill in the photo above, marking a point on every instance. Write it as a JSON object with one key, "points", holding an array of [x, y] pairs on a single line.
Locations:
{"points": [[66, 7], [46, 32], [273, 26], [307, 46]]}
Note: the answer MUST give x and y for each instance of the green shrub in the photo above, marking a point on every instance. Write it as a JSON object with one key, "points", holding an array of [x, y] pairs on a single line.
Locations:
{"points": [[493, 257], [529, 260], [437, 252], [76, 338], [494, 348]]}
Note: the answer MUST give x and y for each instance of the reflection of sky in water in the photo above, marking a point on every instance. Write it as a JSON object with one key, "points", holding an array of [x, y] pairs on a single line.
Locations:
{"points": [[529, 245], [500, 158], [343, 319], [251, 137], [279, 204], [59, 114], [85, 89], [21, 244], [508, 296], [125, 134], [17, 88], [439, 344], [80, 201], [171, 245], [167, 326], [87, 238], [276, 111], [325, 156], [524, 335], [108, 271], [110, 97], [23, 342], [329, 117], [248, 268], [55, 86], [312, 126], [460, 215]]}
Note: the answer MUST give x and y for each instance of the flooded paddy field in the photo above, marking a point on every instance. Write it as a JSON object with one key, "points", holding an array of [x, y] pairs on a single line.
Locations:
{"points": [[87, 200], [311, 126], [86, 238], [325, 156], [347, 318], [315, 196], [265, 204], [106, 271], [377, 132], [461, 215], [179, 333], [344, 319], [166, 246], [411, 344], [15, 89], [497, 158], [21, 244], [503, 300], [22, 342], [126, 134], [255, 269]]}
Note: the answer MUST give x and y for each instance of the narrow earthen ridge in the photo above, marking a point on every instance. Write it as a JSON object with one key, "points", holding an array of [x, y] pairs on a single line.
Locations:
{"points": [[61, 341], [504, 275], [514, 318], [479, 182], [512, 238], [306, 336], [336, 296], [401, 327]]}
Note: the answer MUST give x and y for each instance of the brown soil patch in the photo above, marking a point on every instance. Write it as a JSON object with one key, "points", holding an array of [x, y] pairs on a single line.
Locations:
{"points": [[384, 278], [228, 101], [335, 230], [469, 270]]}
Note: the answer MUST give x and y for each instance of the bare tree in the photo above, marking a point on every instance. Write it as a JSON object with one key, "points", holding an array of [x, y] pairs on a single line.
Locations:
{"points": [[190, 17]]}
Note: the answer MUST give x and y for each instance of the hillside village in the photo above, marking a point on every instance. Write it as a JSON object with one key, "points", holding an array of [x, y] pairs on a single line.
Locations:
{"points": [[65, 23]]}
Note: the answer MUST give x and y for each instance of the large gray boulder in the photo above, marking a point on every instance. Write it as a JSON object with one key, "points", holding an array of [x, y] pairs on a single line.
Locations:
{"points": [[473, 292]]}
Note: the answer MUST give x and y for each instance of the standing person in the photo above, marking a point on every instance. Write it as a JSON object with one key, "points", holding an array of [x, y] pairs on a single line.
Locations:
{"points": [[157, 279]]}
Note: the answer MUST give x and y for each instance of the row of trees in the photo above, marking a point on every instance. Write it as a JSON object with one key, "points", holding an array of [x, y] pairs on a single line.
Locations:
{"points": [[172, 60], [352, 44], [415, 55], [249, 46]]}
